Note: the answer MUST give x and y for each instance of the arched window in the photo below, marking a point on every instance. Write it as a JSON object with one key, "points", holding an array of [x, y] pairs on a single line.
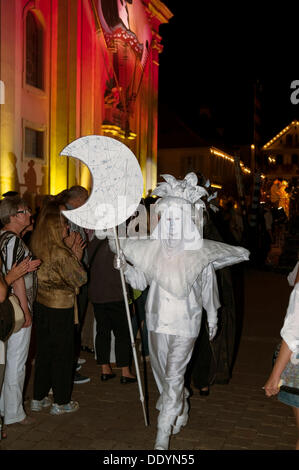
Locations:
{"points": [[34, 52]]}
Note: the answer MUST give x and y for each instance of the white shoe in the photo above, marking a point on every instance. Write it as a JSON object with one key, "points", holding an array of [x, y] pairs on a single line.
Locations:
{"points": [[62, 409], [38, 405], [162, 440], [180, 422], [182, 419]]}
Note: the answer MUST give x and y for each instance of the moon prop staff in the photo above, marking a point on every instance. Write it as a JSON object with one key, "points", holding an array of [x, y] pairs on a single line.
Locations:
{"points": [[116, 193]]}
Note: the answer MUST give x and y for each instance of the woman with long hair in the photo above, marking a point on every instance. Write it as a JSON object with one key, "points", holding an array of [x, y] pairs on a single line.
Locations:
{"points": [[55, 310]]}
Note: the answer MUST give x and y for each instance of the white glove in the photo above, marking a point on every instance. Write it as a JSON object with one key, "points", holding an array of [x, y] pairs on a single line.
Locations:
{"points": [[119, 262], [212, 331]]}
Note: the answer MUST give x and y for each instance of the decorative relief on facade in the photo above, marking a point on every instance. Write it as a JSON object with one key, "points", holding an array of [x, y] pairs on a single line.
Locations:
{"points": [[128, 39]]}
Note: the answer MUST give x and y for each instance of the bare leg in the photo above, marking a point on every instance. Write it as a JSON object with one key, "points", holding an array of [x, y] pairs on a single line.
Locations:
{"points": [[125, 372], [296, 413], [106, 369]]}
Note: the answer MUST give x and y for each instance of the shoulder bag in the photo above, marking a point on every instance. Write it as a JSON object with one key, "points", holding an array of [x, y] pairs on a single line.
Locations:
{"points": [[11, 313]]}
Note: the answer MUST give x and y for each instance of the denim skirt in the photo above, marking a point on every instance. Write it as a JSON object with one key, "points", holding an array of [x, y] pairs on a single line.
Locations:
{"points": [[289, 398]]}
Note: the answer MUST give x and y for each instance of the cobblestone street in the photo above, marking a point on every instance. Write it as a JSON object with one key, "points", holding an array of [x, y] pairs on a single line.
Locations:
{"points": [[236, 416]]}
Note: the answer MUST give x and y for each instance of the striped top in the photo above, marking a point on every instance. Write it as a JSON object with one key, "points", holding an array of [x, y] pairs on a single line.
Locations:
{"points": [[13, 249]]}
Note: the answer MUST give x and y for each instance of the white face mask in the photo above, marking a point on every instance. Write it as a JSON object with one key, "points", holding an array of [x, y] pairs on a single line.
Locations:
{"points": [[172, 226], [176, 229]]}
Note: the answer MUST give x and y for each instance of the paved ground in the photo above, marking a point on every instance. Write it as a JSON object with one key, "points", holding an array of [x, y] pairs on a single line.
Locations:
{"points": [[234, 417]]}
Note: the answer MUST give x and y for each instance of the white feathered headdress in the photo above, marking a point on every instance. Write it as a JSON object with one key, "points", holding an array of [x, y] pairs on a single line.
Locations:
{"points": [[186, 189]]}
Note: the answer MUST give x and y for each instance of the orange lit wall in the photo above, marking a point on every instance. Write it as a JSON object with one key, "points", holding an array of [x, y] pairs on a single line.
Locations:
{"points": [[71, 103]]}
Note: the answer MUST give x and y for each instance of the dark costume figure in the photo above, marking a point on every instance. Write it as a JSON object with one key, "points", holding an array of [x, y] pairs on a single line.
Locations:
{"points": [[212, 362]]}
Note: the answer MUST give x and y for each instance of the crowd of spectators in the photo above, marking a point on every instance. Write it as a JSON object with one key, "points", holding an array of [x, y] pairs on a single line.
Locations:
{"points": [[71, 296], [70, 281], [55, 269]]}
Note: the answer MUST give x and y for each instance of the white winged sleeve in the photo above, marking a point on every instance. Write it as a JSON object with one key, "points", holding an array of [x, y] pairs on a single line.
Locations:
{"points": [[210, 294]]}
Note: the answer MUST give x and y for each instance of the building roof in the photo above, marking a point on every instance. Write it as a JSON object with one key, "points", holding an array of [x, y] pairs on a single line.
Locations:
{"points": [[293, 125]]}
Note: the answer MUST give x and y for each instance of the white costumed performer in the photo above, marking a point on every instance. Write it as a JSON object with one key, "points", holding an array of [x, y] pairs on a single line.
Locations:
{"points": [[179, 266]]}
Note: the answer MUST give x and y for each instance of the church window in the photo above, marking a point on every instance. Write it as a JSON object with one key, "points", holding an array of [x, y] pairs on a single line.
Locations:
{"points": [[34, 52], [34, 143]]}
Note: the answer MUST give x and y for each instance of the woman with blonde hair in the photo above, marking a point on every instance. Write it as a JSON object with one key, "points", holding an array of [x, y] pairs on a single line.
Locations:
{"points": [[55, 310]]}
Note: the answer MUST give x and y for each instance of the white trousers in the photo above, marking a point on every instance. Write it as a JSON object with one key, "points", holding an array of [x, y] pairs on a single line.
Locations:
{"points": [[170, 355], [11, 401]]}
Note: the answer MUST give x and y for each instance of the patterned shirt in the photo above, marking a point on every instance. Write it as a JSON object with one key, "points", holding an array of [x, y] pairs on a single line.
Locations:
{"points": [[13, 249]]}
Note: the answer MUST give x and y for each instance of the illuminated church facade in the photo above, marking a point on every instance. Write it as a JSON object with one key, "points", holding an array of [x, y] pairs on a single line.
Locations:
{"points": [[72, 68]]}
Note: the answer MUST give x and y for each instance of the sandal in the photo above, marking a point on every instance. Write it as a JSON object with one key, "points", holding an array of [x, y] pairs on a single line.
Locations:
{"points": [[27, 420], [3, 433]]}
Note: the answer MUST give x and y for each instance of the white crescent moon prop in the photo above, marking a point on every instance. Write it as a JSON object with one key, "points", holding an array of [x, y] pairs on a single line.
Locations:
{"points": [[116, 193], [117, 182]]}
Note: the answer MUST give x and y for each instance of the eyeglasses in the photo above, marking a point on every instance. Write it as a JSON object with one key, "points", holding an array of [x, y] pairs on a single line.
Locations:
{"points": [[24, 211]]}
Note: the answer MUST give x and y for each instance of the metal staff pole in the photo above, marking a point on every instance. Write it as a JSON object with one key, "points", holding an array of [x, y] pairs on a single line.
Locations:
{"points": [[122, 276]]}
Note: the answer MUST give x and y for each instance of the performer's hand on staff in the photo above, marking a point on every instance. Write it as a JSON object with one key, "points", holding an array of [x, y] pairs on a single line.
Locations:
{"points": [[110, 234], [120, 261]]}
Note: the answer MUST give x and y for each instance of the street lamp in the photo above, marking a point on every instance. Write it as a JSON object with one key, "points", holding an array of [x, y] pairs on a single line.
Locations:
{"points": [[252, 161]]}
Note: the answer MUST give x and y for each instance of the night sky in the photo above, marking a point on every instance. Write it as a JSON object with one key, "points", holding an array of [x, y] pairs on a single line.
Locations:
{"points": [[205, 76]]}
